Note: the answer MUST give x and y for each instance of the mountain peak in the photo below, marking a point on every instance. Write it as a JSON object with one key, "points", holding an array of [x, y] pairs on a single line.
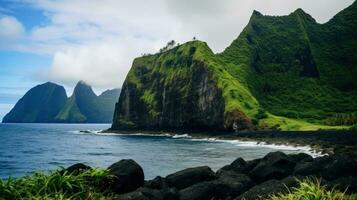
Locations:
{"points": [[257, 13], [81, 82], [302, 14], [83, 88]]}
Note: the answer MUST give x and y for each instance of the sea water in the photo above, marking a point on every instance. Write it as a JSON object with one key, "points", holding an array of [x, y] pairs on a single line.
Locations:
{"points": [[25, 148]]}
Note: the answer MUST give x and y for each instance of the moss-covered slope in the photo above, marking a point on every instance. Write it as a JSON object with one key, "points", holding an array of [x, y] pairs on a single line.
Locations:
{"points": [[287, 72]]}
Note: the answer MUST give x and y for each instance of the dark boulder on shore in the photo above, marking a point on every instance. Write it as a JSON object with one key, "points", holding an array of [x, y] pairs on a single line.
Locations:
{"points": [[276, 165], [268, 188], [128, 176], [274, 173], [190, 176]]}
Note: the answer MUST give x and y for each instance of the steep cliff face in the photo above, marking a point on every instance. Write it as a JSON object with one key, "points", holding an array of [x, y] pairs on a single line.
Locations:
{"points": [[174, 89], [39, 104], [286, 72]]}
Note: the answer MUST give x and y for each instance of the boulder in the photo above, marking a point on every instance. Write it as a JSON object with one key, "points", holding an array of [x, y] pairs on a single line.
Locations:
{"points": [[190, 176], [301, 157], [202, 191], [132, 196], [346, 183], [128, 176], [314, 167], [156, 183], [240, 166], [76, 168], [149, 194], [275, 165], [233, 184], [270, 187], [340, 166]]}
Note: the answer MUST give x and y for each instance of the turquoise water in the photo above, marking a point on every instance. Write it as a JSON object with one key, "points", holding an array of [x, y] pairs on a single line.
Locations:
{"points": [[25, 148]]}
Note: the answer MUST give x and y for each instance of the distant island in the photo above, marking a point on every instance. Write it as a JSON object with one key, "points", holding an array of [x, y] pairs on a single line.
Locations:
{"points": [[281, 73], [48, 103]]}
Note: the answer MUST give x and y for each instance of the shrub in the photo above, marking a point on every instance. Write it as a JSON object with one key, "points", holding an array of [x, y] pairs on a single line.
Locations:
{"points": [[353, 127], [57, 185], [311, 189], [261, 114]]}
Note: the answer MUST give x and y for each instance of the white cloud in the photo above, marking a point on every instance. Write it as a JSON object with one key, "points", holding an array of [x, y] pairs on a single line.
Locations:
{"points": [[96, 41], [103, 64], [11, 30]]}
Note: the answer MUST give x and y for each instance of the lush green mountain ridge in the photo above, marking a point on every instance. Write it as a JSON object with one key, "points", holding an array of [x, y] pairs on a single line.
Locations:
{"points": [[286, 72], [48, 103], [39, 104]]}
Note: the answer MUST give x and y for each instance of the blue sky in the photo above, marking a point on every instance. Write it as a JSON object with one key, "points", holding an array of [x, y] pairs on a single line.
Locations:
{"points": [[66, 41]]}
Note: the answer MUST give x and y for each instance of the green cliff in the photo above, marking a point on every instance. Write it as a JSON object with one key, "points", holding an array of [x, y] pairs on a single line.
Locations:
{"points": [[284, 72]]}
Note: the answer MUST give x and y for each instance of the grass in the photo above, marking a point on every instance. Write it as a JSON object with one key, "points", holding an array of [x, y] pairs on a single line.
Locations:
{"points": [[312, 189], [57, 185]]}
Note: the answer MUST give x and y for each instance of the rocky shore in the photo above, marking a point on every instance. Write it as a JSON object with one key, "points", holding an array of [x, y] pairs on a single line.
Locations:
{"points": [[325, 142], [274, 173]]}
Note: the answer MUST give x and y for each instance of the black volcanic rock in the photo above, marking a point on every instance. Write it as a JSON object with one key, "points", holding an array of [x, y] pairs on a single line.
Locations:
{"points": [[275, 165], [39, 105], [190, 176], [128, 176]]}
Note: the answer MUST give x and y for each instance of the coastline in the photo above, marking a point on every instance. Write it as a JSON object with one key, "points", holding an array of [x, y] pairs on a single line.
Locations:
{"points": [[322, 142]]}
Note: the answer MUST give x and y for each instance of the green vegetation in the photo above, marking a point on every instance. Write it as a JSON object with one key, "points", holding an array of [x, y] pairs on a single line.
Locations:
{"points": [[313, 190], [58, 185], [286, 72], [85, 106]]}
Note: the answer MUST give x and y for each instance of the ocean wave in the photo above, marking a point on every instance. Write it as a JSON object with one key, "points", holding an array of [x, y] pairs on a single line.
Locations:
{"points": [[241, 143], [181, 136]]}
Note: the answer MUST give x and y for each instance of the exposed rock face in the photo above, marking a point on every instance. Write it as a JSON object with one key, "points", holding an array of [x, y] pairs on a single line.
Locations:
{"points": [[160, 93]]}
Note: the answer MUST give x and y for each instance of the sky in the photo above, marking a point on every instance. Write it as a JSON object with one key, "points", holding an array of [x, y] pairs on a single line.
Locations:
{"points": [[65, 41]]}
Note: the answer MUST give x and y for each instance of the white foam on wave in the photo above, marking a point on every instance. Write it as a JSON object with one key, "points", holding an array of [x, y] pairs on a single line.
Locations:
{"points": [[181, 136], [282, 147], [241, 143]]}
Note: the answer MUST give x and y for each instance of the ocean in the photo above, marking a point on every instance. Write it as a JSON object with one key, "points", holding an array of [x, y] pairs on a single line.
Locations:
{"points": [[25, 148]]}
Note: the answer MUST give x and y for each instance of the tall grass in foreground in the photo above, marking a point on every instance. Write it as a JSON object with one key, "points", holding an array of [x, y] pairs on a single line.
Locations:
{"points": [[87, 184], [311, 189]]}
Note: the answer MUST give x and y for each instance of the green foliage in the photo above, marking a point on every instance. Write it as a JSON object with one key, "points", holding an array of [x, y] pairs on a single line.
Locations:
{"points": [[342, 119], [353, 127], [59, 185], [291, 66], [280, 72], [261, 114], [313, 190]]}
